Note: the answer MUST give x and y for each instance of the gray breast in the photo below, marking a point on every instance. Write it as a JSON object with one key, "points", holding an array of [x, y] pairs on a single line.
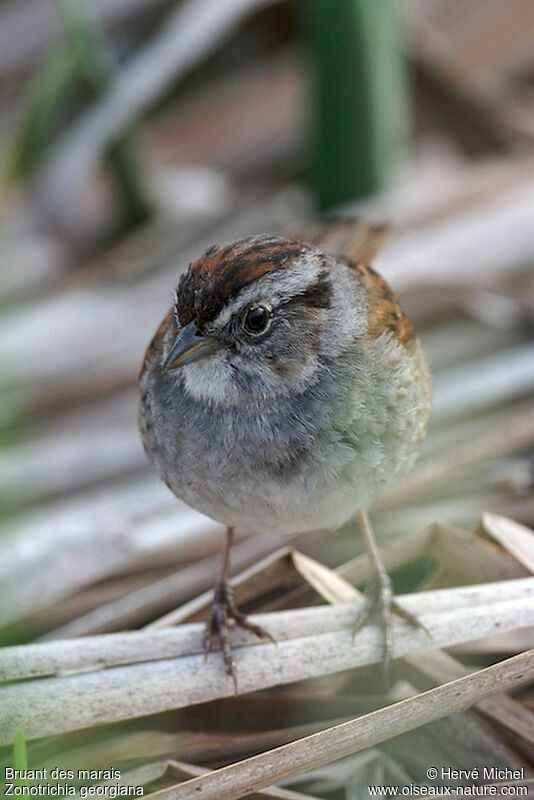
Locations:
{"points": [[207, 449], [294, 464]]}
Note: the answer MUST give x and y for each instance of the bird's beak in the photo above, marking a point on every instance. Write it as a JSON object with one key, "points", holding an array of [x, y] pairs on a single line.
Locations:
{"points": [[190, 346]]}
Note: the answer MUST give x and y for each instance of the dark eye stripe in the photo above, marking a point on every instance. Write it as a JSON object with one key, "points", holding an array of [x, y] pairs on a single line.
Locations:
{"points": [[316, 295]]}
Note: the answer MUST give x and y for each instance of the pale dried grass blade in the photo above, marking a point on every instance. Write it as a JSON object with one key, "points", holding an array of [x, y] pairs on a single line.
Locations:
{"points": [[441, 667], [238, 780], [490, 443], [517, 539], [58, 705], [471, 559], [126, 610], [91, 653], [507, 712], [48, 556], [396, 553], [506, 374], [507, 644], [179, 769], [327, 583], [190, 32], [266, 573], [270, 793]]}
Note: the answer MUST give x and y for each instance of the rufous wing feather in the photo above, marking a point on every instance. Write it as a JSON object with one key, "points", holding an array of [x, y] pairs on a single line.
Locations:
{"points": [[358, 242]]}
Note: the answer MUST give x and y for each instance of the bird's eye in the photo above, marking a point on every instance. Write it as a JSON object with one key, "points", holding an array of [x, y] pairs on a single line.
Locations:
{"points": [[256, 319]]}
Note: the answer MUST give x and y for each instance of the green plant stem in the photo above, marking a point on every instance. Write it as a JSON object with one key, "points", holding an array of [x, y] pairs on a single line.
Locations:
{"points": [[360, 95]]}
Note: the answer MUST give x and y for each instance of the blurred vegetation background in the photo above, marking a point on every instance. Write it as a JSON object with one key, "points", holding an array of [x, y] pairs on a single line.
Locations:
{"points": [[136, 133]]}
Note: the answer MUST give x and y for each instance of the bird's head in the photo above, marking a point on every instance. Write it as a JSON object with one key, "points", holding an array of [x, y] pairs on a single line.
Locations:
{"points": [[256, 317]]}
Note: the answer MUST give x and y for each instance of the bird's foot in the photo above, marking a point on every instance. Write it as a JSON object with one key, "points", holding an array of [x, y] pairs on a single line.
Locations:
{"points": [[223, 616], [381, 602]]}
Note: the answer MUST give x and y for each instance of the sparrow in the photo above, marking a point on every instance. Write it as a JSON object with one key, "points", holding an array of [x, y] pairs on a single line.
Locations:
{"points": [[283, 391]]}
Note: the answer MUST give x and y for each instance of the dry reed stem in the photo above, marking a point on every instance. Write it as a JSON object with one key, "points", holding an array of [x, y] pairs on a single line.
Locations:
{"points": [[238, 780], [311, 642], [517, 539]]}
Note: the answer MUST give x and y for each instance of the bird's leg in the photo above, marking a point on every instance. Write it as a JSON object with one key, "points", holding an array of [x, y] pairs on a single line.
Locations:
{"points": [[225, 614], [380, 597]]}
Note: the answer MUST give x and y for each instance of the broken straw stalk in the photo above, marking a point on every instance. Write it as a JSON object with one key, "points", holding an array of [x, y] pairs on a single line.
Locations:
{"points": [[311, 642]]}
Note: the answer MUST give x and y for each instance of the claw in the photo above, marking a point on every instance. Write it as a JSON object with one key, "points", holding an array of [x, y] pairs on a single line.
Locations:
{"points": [[407, 616], [225, 612]]}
